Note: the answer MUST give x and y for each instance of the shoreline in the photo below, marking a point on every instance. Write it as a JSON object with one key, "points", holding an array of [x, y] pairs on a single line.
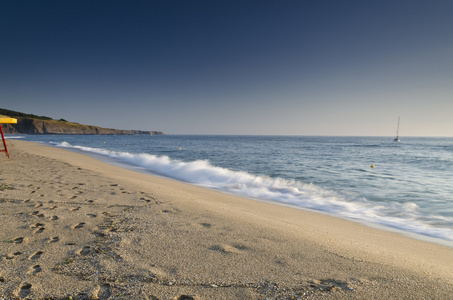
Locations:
{"points": [[385, 227], [164, 238]]}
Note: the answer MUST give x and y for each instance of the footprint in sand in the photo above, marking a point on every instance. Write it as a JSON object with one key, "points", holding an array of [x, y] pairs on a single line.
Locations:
{"points": [[18, 240], [85, 250], [217, 248], [240, 247], [37, 213], [39, 226], [226, 249], [206, 225], [25, 290], [53, 218], [35, 269], [75, 209], [13, 255], [36, 255], [39, 230], [104, 291], [54, 239], [78, 226], [36, 225], [185, 297], [92, 215]]}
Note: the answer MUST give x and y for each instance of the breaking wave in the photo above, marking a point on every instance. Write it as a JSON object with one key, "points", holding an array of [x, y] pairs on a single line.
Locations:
{"points": [[404, 216]]}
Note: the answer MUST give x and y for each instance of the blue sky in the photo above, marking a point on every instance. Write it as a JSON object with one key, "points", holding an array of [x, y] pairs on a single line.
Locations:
{"points": [[232, 67]]}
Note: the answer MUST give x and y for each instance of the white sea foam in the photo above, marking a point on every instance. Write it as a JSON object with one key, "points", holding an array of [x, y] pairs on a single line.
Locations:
{"points": [[403, 216], [14, 137]]}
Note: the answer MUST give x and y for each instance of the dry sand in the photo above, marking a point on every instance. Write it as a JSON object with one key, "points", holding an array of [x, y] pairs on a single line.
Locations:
{"points": [[75, 226]]}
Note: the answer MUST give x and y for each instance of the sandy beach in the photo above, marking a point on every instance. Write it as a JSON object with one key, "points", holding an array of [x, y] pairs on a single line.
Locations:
{"points": [[75, 226]]}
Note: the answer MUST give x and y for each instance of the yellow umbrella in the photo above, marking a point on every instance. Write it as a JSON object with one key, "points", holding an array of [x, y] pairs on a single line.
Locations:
{"points": [[5, 119]]}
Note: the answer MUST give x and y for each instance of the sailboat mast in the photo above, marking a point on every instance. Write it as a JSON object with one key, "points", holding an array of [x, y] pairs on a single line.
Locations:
{"points": [[397, 131], [398, 127]]}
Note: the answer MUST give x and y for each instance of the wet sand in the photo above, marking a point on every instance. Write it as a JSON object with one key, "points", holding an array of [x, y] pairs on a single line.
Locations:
{"points": [[75, 226]]}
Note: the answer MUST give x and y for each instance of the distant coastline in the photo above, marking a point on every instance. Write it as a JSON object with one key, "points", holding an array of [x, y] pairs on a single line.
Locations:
{"points": [[33, 124]]}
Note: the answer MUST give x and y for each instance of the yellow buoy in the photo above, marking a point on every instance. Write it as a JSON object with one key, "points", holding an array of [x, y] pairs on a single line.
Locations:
{"points": [[372, 166], [179, 148]]}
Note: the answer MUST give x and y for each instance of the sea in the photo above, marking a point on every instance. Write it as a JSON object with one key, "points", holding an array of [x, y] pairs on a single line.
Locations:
{"points": [[404, 186]]}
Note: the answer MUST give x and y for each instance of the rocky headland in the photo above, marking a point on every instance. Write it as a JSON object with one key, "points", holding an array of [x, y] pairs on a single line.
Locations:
{"points": [[33, 124]]}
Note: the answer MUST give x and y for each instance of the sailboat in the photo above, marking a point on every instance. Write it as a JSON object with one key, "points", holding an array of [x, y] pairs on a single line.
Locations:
{"points": [[397, 139]]}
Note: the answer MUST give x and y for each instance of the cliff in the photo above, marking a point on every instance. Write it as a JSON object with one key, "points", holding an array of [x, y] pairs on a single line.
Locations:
{"points": [[40, 126]]}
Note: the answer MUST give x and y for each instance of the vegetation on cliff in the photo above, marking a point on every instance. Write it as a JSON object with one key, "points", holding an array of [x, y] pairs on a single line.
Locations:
{"points": [[33, 124], [14, 114]]}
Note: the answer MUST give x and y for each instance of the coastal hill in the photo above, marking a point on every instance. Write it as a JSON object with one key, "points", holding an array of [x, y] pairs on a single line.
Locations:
{"points": [[33, 124]]}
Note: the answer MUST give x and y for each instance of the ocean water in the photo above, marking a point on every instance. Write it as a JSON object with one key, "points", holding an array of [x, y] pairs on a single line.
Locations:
{"points": [[409, 189]]}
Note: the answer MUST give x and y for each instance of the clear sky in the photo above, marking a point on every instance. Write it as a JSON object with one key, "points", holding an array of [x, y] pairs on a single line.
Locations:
{"points": [[232, 67]]}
